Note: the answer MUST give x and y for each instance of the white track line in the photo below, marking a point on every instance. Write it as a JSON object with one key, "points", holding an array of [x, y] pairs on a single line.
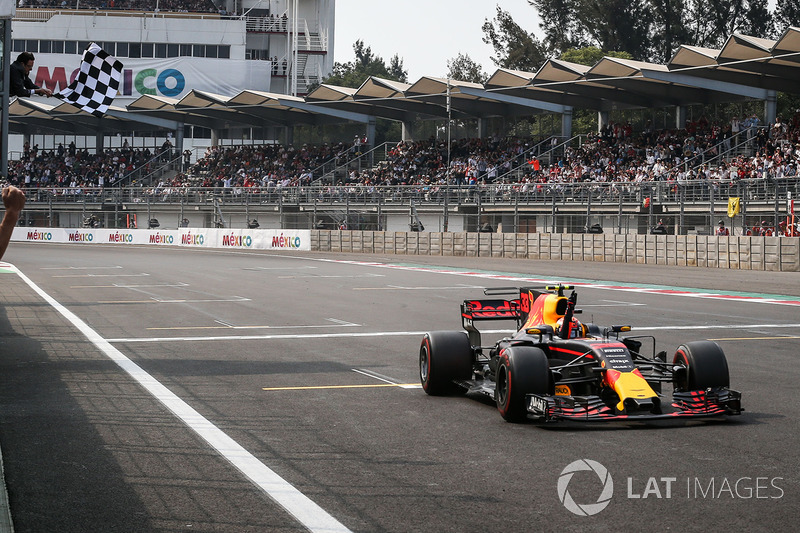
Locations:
{"points": [[300, 506], [634, 330]]}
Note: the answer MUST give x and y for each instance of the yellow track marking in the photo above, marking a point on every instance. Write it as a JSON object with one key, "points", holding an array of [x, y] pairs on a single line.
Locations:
{"points": [[381, 385]]}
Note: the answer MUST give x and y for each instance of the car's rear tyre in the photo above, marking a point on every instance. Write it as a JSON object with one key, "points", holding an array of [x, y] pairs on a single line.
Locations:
{"points": [[521, 370], [444, 357], [706, 366]]}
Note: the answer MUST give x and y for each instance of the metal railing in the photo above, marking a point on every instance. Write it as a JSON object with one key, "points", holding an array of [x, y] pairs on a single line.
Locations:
{"points": [[543, 150], [44, 14], [355, 160], [563, 195], [152, 169]]}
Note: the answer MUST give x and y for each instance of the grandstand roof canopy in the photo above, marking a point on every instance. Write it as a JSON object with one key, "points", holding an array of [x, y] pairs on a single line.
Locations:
{"points": [[744, 68]]}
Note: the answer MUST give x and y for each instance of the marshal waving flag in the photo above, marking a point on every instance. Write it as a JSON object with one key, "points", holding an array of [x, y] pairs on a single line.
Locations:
{"points": [[97, 83]]}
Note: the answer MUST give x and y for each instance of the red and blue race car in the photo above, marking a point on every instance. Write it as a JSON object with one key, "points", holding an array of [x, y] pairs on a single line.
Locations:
{"points": [[556, 368]]}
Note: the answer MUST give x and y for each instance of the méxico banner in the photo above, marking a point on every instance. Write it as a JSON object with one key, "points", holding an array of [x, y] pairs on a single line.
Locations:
{"points": [[231, 239], [171, 77]]}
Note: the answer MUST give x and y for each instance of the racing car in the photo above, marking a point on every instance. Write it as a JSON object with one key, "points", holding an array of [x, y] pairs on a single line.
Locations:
{"points": [[556, 368]]}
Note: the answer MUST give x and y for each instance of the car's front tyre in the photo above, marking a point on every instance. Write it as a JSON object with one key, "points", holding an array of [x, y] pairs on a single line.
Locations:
{"points": [[705, 366], [521, 370]]}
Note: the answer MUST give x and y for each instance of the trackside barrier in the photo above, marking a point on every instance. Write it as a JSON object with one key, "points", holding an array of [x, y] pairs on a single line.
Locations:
{"points": [[248, 239], [734, 252]]}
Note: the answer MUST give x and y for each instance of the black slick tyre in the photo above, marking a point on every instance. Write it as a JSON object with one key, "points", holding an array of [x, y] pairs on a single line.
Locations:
{"points": [[521, 370], [706, 366], [444, 357]]}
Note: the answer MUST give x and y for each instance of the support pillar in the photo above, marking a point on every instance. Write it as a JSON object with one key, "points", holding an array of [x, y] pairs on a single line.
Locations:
{"points": [[770, 108], [179, 139], [99, 139], [371, 131], [681, 112], [483, 125], [602, 120], [407, 131], [566, 123], [289, 135]]}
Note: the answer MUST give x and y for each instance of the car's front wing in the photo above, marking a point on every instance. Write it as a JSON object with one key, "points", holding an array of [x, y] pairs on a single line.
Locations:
{"points": [[712, 402]]}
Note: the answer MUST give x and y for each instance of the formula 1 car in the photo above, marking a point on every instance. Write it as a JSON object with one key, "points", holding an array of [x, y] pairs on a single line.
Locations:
{"points": [[556, 368]]}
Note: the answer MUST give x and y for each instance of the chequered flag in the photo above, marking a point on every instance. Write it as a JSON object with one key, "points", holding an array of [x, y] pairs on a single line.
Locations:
{"points": [[97, 82]]}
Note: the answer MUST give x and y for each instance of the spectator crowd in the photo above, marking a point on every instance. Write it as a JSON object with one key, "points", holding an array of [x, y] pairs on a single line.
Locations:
{"points": [[70, 170], [617, 154], [180, 6]]}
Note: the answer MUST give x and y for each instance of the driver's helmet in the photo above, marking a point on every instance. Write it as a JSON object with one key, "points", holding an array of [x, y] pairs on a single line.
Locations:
{"points": [[577, 329]]}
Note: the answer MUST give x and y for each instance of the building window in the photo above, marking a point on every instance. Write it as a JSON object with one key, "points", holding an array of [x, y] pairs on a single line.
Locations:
{"points": [[70, 47], [161, 50]]}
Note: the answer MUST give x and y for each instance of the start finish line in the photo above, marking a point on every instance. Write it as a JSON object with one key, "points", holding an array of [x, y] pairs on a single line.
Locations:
{"points": [[242, 239]]}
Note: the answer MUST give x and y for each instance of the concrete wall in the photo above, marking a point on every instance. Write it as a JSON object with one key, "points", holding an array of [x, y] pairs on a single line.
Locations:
{"points": [[737, 252]]}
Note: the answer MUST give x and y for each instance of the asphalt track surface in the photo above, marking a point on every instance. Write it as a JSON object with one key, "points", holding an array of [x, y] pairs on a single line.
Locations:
{"points": [[162, 389]]}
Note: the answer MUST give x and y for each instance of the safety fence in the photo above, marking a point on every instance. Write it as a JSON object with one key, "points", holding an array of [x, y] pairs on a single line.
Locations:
{"points": [[735, 252]]}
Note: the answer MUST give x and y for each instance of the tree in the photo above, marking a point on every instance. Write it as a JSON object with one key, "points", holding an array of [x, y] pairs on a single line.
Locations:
{"points": [[355, 73], [787, 14], [396, 70], [365, 64], [608, 25], [514, 47], [463, 68], [561, 28], [591, 55], [714, 20], [759, 21]]}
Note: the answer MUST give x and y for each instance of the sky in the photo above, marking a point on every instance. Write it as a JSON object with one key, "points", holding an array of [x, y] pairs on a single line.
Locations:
{"points": [[427, 33], [424, 33]]}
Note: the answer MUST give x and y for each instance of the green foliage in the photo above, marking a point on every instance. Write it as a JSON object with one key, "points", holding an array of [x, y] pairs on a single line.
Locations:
{"points": [[464, 68], [651, 30], [366, 64], [787, 13], [787, 105], [514, 47], [590, 55]]}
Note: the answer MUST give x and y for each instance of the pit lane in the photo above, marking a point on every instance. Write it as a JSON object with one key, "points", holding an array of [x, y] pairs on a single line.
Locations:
{"points": [[309, 364]]}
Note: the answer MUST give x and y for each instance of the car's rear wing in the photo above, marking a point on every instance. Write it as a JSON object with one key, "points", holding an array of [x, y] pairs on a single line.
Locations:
{"points": [[495, 309]]}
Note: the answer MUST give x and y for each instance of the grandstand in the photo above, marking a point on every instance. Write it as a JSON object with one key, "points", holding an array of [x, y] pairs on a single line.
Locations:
{"points": [[674, 172]]}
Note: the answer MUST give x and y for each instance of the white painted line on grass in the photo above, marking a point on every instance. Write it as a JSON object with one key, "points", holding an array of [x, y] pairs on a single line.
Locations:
{"points": [[300, 506]]}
